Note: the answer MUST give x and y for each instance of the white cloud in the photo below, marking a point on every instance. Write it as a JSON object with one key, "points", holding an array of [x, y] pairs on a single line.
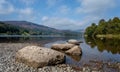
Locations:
{"points": [[61, 23], [87, 20], [26, 11], [6, 7], [26, 14], [93, 10], [95, 6], [44, 18]]}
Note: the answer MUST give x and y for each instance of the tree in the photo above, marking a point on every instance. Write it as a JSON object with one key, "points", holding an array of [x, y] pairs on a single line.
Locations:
{"points": [[112, 26], [90, 30]]}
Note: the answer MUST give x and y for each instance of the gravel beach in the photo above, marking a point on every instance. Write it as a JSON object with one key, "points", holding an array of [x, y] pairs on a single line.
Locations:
{"points": [[8, 64]]}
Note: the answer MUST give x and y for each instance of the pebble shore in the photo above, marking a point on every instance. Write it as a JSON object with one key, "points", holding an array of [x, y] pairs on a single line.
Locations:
{"points": [[8, 64]]}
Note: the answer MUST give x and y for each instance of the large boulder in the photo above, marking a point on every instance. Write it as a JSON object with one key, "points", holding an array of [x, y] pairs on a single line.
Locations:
{"points": [[73, 41], [76, 50], [38, 56], [62, 47]]}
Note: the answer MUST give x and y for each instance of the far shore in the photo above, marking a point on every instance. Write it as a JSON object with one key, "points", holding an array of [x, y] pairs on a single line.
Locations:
{"points": [[108, 36], [31, 36]]}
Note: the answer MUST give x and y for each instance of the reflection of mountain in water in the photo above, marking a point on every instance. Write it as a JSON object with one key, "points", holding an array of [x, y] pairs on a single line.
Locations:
{"points": [[110, 45], [33, 40]]}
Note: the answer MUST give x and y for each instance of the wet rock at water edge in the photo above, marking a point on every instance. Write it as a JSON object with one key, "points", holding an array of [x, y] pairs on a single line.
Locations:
{"points": [[76, 50], [62, 47], [75, 42]]}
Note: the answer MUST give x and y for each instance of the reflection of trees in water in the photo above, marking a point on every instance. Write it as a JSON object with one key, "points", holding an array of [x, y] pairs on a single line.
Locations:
{"points": [[90, 42], [110, 45]]}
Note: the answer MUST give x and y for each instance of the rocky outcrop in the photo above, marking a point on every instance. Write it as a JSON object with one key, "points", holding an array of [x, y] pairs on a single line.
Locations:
{"points": [[71, 48], [38, 56], [63, 47], [76, 50]]}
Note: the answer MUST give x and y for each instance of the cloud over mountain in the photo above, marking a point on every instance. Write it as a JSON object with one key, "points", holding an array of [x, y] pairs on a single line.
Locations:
{"points": [[61, 14]]}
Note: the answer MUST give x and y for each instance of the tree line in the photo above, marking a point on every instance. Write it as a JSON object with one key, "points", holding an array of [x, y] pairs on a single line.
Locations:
{"points": [[112, 26]]}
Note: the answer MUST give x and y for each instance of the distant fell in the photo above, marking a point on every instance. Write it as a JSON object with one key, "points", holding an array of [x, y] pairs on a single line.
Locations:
{"points": [[29, 28]]}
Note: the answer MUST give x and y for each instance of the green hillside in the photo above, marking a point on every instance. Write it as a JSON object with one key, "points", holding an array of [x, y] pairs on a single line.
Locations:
{"points": [[29, 28]]}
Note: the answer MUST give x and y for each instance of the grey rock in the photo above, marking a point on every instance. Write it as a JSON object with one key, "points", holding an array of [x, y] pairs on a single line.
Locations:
{"points": [[76, 50], [63, 47], [39, 56], [73, 41]]}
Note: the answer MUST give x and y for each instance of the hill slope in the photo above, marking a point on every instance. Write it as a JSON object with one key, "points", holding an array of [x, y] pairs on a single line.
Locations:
{"points": [[32, 26], [29, 28]]}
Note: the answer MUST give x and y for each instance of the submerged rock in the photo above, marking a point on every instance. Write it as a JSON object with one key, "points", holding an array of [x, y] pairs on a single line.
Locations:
{"points": [[39, 56]]}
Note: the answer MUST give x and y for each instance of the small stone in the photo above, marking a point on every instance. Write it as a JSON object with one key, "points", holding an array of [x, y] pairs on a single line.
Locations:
{"points": [[86, 69]]}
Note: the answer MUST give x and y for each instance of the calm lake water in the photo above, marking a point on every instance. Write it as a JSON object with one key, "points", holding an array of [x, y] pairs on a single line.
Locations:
{"points": [[106, 50]]}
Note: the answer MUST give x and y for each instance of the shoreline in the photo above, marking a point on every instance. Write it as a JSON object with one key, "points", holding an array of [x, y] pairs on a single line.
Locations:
{"points": [[110, 36], [7, 62]]}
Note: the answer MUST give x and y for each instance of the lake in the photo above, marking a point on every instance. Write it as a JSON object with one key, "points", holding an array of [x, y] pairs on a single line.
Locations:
{"points": [[105, 50]]}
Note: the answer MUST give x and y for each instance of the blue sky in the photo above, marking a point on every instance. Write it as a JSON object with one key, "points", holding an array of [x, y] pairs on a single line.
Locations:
{"points": [[60, 14]]}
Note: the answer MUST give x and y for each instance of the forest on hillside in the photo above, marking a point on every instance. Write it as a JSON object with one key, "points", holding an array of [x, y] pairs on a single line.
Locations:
{"points": [[111, 27], [11, 30]]}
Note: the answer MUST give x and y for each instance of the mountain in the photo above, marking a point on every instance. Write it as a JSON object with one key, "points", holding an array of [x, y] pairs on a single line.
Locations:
{"points": [[29, 28]]}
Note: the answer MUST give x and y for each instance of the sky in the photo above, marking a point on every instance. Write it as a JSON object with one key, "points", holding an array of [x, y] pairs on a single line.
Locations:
{"points": [[59, 14]]}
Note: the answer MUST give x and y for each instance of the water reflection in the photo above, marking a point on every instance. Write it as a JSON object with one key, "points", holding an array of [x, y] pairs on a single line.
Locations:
{"points": [[75, 57], [28, 39], [110, 45], [32, 39], [92, 49]]}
